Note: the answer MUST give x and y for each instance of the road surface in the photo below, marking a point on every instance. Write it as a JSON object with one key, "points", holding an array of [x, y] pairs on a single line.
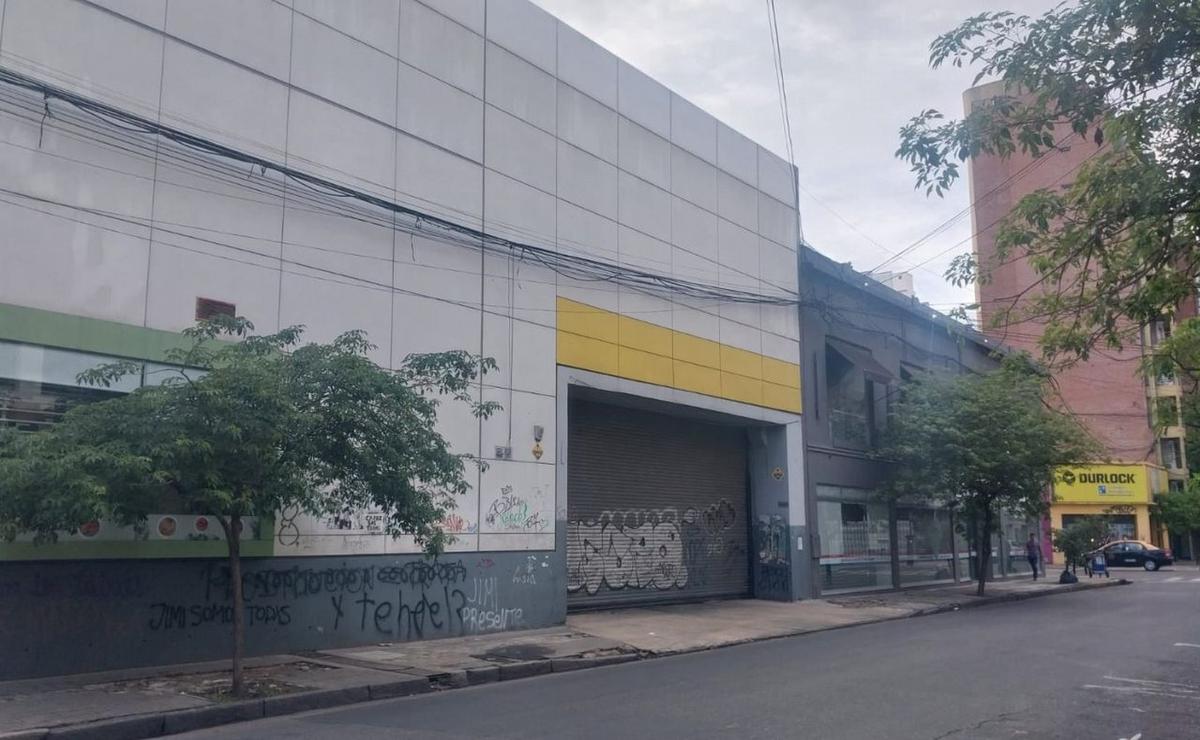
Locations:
{"points": [[1117, 663]]}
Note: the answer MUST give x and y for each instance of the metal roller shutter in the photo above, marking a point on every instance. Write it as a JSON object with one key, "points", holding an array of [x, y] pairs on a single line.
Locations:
{"points": [[656, 508]]}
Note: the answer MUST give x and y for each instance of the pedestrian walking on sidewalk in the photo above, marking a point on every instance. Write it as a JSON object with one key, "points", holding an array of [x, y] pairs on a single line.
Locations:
{"points": [[1033, 552]]}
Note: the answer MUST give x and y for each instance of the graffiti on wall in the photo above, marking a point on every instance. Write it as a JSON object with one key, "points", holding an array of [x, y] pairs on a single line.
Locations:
{"points": [[772, 571], [771, 539], [772, 580], [454, 523], [526, 574], [511, 512], [709, 536], [79, 585], [401, 602], [656, 549], [523, 508]]}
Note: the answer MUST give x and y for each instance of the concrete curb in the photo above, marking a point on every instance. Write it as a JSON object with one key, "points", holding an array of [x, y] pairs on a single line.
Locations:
{"points": [[141, 726], [1018, 596], [158, 724], [936, 609]]}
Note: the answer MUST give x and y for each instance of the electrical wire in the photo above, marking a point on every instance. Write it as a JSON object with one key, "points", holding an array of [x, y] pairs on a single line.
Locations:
{"points": [[781, 81], [566, 264], [238, 178], [320, 192], [981, 231], [159, 223], [1029, 167], [753, 281], [945, 225]]}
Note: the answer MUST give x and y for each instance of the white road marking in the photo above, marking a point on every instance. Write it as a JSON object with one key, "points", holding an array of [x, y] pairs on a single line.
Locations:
{"points": [[1137, 690], [1187, 644], [1195, 580], [1188, 688], [1173, 579]]}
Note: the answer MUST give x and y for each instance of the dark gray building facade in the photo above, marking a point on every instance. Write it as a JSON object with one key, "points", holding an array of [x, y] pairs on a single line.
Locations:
{"points": [[860, 340]]}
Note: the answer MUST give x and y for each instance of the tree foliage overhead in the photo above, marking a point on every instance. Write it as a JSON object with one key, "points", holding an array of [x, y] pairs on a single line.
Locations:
{"points": [[1081, 537], [269, 423], [1180, 512], [1179, 357], [982, 444], [1116, 244], [265, 424]]}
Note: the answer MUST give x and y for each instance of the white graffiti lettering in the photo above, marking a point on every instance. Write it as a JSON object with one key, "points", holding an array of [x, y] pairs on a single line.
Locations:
{"points": [[641, 550]]}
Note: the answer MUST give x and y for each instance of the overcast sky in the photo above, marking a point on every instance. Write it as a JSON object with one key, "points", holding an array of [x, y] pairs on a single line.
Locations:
{"points": [[856, 71]]}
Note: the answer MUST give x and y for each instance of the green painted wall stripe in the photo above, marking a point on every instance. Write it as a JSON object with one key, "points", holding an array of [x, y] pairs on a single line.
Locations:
{"points": [[48, 328], [259, 547], [76, 550], [65, 331]]}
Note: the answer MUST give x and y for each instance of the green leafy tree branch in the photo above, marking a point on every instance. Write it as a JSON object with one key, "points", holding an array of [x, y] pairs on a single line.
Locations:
{"points": [[1116, 246], [245, 426], [981, 444]]}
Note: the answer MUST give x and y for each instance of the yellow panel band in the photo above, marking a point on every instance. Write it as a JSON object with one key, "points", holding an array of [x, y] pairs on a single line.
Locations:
{"points": [[592, 338]]}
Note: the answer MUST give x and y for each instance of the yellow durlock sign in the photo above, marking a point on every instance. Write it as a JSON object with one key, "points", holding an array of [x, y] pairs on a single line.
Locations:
{"points": [[1102, 484]]}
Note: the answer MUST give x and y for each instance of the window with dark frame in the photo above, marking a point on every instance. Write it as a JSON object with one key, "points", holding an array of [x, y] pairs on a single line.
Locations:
{"points": [[849, 403], [1166, 411], [207, 308], [1160, 330], [1172, 452]]}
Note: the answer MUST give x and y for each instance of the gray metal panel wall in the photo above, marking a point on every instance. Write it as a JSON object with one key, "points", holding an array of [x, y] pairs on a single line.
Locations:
{"points": [[657, 508]]}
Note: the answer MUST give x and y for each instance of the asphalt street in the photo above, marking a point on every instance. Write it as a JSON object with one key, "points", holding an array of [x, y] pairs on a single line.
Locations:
{"points": [[1116, 663]]}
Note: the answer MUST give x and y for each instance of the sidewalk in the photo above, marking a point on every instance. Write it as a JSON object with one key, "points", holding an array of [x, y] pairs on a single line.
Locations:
{"points": [[688, 627], [150, 702]]}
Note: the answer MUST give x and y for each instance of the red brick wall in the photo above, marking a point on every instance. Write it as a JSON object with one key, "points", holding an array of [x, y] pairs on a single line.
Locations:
{"points": [[1105, 393]]}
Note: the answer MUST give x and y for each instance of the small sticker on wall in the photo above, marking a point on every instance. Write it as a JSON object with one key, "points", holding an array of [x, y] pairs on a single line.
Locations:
{"points": [[777, 473], [166, 526]]}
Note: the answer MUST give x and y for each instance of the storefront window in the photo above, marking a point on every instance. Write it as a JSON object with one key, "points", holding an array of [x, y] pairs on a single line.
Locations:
{"points": [[966, 568], [38, 384], [1120, 526], [1015, 532], [29, 406], [967, 556], [855, 542], [923, 540]]}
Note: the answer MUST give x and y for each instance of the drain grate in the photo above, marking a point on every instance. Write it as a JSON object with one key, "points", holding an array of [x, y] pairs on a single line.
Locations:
{"points": [[521, 653]]}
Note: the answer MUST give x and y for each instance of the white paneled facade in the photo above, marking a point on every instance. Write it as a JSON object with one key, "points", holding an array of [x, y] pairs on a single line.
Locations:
{"points": [[489, 113]]}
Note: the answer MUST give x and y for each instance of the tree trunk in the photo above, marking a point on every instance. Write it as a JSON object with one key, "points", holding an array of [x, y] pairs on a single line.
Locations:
{"points": [[233, 534], [985, 551], [1192, 547]]}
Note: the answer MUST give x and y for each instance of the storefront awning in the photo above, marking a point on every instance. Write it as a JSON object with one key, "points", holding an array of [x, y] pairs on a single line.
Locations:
{"points": [[862, 359]]}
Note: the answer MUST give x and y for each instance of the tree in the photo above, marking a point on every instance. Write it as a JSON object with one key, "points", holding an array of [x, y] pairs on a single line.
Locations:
{"points": [[1119, 245], [1180, 511], [981, 444], [267, 424], [1078, 539]]}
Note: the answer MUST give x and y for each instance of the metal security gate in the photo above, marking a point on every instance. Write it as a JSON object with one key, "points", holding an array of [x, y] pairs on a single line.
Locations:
{"points": [[656, 508]]}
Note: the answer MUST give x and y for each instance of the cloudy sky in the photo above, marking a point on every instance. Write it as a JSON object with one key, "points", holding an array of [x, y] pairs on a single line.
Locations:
{"points": [[856, 71]]}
